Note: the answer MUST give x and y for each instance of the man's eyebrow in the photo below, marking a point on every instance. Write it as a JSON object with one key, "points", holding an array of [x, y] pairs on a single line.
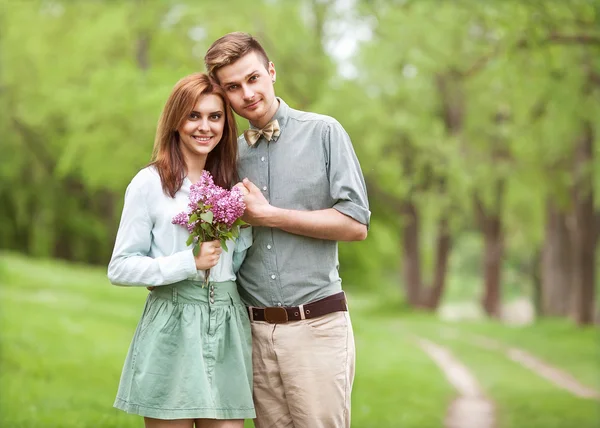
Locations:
{"points": [[245, 78]]}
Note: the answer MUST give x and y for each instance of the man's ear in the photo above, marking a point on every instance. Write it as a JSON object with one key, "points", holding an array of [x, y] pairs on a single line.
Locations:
{"points": [[272, 71]]}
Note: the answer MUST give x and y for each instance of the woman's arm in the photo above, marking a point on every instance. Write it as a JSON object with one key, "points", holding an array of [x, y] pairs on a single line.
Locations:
{"points": [[130, 264]]}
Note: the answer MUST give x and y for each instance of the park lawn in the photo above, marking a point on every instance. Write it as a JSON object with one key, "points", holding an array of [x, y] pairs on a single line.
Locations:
{"points": [[556, 341], [522, 398], [64, 333]]}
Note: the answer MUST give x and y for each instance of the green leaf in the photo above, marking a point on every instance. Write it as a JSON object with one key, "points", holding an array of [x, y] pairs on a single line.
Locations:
{"points": [[189, 240], [239, 222], [193, 218], [207, 217], [196, 250]]}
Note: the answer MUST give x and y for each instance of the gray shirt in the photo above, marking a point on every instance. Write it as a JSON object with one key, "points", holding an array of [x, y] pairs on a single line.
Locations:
{"points": [[310, 166]]}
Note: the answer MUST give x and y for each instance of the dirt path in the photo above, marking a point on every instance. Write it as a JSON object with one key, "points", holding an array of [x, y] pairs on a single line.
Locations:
{"points": [[558, 377], [471, 409]]}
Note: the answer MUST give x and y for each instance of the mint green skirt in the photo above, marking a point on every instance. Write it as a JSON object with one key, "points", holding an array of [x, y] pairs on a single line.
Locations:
{"points": [[190, 356]]}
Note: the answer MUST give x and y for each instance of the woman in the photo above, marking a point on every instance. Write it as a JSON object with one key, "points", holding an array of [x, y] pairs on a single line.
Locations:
{"points": [[189, 363]]}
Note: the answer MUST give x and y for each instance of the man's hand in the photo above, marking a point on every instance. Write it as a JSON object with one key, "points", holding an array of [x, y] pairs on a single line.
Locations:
{"points": [[258, 208]]}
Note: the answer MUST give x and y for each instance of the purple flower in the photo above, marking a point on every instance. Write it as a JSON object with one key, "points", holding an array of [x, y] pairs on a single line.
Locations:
{"points": [[181, 218], [205, 196]]}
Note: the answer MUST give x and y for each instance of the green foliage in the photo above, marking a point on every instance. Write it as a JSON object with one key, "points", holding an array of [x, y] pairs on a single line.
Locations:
{"points": [[447, 100]]}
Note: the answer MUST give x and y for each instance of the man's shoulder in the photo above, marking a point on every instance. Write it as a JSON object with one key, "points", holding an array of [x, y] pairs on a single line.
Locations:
{"points": [[308, 116]]}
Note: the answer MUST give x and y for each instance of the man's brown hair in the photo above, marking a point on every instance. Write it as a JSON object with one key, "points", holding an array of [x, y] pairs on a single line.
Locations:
{"points": [[229, 48]]}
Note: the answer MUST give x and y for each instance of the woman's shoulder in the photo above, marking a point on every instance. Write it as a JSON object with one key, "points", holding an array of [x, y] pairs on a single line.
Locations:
{"points": [[145, 180]]}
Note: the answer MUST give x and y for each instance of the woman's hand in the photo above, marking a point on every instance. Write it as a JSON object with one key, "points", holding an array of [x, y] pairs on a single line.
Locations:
{"points": [[209, 254], [207, 257]]}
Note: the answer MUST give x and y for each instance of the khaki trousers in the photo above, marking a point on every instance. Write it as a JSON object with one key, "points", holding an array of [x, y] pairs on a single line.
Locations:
{"points": [[303, 372]]}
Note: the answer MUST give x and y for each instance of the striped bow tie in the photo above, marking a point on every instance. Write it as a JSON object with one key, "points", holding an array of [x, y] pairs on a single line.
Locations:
{"points": [[269, 131]]}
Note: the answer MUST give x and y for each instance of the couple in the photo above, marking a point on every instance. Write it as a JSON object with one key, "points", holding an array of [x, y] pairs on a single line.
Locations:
{"points": [[278, 345]]}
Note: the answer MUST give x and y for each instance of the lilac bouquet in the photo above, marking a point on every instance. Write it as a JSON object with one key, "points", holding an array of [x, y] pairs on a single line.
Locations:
{"points": [[213, 213]]}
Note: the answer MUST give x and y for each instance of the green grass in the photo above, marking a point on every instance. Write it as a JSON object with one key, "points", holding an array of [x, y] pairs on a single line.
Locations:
{"points": [[64, 333], [560, 343], [523, 399]]}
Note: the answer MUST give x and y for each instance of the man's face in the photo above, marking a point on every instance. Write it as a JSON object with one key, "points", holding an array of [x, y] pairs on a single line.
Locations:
{"points": [[249, 88]]}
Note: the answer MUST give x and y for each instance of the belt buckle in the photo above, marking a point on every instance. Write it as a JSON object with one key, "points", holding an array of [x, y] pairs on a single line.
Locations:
{"points": [[276, 315]]}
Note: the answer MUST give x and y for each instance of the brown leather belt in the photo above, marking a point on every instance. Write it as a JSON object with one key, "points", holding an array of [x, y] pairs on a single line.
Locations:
{"points": [[282, 314]]}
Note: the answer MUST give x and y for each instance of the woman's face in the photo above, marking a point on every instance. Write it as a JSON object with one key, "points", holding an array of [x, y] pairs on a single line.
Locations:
{"points": [[203, 129]]}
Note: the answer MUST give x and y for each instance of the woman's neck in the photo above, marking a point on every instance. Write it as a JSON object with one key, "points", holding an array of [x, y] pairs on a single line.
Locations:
{"points": [[194, 168]]}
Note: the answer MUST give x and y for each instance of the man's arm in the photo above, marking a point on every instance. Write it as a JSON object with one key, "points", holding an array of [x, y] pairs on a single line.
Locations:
{"points": [[322, 224]]}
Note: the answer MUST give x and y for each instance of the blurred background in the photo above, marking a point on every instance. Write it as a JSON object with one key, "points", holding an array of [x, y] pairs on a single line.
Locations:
{"points": [[476, 124]]}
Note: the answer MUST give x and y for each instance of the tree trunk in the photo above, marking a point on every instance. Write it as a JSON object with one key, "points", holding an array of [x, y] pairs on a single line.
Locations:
{"points": [[492, 266], [444, 243], [412, 260], [490, 224], [418, 294], [583, 232], [556, 267]]}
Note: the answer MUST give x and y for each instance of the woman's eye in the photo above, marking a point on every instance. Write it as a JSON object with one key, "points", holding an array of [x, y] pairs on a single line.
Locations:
{"points": [[215, 116], [194, 116]]}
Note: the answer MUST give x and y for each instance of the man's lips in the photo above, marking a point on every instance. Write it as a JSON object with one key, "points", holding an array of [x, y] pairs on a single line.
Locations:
{"points": [[253, 105]]}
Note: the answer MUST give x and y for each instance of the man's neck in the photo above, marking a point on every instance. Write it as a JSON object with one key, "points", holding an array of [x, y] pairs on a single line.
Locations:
{"points": [[269, 115]]}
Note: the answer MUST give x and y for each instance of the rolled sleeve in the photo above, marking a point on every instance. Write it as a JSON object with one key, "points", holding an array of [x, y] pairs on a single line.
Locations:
{"points": [[346, 181]]}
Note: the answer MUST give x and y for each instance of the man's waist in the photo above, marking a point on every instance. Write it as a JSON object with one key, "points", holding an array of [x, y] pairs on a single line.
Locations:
{"points": [[287, 294], [282, 314]]}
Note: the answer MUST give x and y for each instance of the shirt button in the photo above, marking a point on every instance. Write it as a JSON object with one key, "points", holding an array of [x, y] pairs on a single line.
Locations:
{"points": [[279, 304], [262, 159], [273, 277], [264, 187], [269, 247]]}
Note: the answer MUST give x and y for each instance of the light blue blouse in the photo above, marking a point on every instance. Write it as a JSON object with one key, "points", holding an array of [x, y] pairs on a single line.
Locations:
{"points": [[150, 250]]}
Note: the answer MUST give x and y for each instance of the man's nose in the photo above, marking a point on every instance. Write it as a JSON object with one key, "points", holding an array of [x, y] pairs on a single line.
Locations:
{"points": [[248, 92]]}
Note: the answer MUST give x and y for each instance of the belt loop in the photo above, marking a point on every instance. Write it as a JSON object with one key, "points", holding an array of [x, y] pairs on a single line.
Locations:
{"points": [[301, 309], [175, 295], [251, 312]]}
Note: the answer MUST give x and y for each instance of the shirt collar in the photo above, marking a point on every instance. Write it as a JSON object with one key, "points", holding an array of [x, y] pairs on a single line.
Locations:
{"points": [[281, 115]]}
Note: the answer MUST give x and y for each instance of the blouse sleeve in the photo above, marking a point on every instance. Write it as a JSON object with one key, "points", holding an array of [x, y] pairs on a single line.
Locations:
{"points": [[243, 242], [130, 264]]}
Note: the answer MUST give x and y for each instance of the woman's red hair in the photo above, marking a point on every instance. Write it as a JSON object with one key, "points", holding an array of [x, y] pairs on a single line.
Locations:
{"points": [[167, 156]]}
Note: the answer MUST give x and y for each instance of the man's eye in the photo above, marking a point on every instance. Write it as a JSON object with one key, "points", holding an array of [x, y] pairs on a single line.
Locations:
{"points": [[253, 78], [232, 88]]}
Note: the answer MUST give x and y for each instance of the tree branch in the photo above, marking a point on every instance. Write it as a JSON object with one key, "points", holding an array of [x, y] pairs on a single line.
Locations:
{"points": [[32, 141], [573, 39]]}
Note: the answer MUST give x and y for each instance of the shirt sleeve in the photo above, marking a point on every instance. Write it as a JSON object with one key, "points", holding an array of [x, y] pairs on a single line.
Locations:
{"points": [[130, 264], [243, 242], [346, 181]]}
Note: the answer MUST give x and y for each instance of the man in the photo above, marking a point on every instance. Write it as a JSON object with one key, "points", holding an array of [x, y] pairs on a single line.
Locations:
{"points": [[305, 192]]}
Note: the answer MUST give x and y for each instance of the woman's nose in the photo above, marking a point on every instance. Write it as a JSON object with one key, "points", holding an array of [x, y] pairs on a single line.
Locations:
{"points": [[203, 124]]}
